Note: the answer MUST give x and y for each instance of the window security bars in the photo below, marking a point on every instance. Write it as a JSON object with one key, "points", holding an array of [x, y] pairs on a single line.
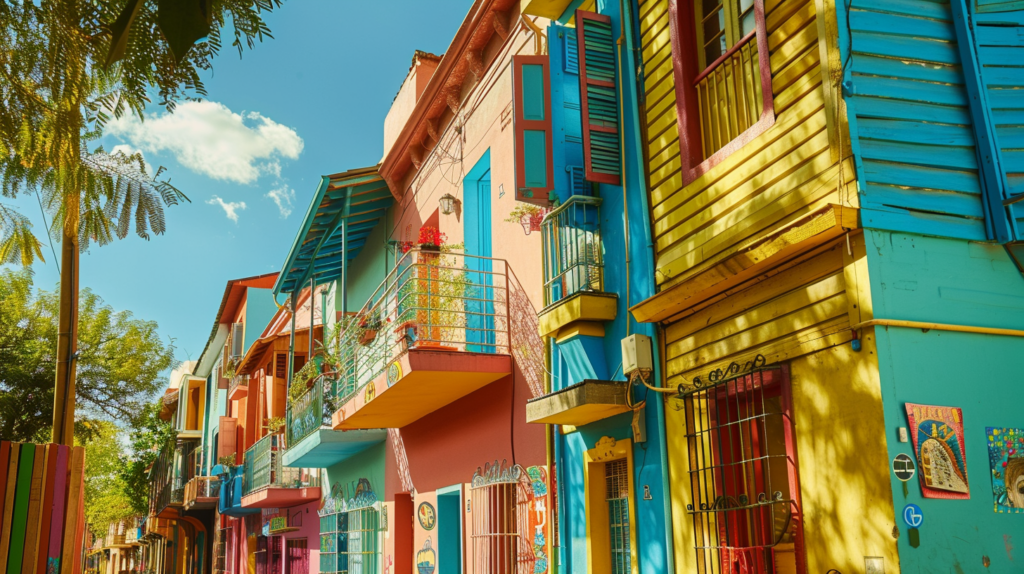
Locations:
{"points": [[729, 96], [742, 475], [263, 468], [220, 550], [573, 253], [431, 299], [616, 475], [502, 543], [350, 542]]}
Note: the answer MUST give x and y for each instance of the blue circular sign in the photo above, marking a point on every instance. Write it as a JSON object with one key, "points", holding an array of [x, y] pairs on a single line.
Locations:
{"points": [[913, 516]]}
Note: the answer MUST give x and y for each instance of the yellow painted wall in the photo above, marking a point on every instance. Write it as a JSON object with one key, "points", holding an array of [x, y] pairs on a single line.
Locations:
{"points": [[801, 316], [787, 172]]}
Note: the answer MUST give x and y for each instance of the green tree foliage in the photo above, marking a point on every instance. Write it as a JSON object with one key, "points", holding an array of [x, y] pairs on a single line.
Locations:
{"points": [[149, 436], [106, 497], [119, 367], [58, 87]]}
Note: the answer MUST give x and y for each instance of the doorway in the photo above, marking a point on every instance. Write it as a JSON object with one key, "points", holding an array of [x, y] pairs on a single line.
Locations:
{"points": [[476, 193], [449, 530]]}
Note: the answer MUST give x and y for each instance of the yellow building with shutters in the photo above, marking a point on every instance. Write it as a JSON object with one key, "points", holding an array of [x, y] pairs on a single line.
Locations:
{"points": [[776, 435]]}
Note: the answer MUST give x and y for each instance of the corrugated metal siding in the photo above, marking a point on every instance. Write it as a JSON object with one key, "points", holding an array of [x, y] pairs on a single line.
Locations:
{"points": [[783, 174], [917, 148]]}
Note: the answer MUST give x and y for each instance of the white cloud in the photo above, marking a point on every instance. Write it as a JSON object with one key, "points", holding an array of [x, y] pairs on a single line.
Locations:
{"points": [[283, 197], [231, 208], [126, 150], [208, 138]]}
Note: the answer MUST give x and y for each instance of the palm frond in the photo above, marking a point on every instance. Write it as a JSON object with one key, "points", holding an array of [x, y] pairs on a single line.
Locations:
{"points": [[17, 242]]}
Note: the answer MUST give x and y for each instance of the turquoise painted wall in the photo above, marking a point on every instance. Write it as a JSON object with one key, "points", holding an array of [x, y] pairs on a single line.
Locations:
{"points": [[367, 270], [603, 356], [368, 464], [958, 282], [259, 310]]}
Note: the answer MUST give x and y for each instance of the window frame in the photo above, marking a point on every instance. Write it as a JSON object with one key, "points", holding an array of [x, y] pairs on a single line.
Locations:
{"points": [[537, 195], [773, 382], [686, 55]]}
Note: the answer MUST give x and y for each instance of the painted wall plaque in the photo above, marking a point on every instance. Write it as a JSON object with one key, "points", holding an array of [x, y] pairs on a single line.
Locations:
{"points": [[938, 435], [427, 516], [1006, 459]]}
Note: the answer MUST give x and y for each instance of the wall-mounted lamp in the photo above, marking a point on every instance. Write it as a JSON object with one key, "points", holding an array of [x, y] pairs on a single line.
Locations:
{"points": [[448, 203]]}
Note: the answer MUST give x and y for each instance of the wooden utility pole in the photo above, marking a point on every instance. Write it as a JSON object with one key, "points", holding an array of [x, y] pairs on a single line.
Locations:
{"points": [[67, 343]]}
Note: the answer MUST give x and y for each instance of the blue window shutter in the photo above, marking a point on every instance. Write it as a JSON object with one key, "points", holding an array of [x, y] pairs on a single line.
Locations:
{"points": [[572, 58], [532, 126], [600, 106]]}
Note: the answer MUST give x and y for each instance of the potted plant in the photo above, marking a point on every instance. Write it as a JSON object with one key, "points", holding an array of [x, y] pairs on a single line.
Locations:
{"points": [[431, 238], [528, 215], [369, 326], [274, 425]]}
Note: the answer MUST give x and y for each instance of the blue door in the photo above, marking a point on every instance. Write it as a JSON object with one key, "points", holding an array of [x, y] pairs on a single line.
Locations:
{"points": [[476, 188]]}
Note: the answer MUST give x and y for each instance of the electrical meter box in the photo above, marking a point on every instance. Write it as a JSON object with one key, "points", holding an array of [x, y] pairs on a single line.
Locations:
{"points": [[637, 355]]}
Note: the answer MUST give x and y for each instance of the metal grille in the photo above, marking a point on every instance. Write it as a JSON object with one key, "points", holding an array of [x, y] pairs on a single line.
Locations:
{"points": [[742, 475], [573, 256], [616, 476], [358, 545], [501, 542]]}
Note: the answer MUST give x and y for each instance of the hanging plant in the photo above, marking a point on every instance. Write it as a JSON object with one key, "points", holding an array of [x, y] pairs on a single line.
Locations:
{"points": [[527, 215], [274, 425]]}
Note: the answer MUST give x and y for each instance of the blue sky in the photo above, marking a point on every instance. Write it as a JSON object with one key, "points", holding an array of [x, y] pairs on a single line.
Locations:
{"points": [[309, 102]]}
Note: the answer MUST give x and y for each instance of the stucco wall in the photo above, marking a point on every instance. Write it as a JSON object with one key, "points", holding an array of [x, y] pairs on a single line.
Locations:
{"points": [[954, 282]]}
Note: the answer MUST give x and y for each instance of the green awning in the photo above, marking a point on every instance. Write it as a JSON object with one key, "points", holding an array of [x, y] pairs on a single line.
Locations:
{"points": [[356, 200]]}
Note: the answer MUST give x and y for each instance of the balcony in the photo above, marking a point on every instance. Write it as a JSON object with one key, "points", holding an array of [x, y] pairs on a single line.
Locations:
{"points": [[267, 483], [202, 492], [573, 260], [311, 441], [238, 388], [231, 480], [436, 330]]}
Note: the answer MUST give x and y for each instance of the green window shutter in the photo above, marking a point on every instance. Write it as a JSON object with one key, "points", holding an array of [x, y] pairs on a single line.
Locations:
{"points": [[600, 106], [532, 126]]}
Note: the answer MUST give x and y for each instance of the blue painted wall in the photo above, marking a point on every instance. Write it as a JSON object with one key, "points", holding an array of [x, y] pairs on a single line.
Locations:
{"points": [[368, 464], [587, 356], [959, 282]]}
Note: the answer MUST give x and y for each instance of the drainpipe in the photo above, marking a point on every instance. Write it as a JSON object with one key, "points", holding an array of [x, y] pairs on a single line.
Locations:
{"points": [[312, 306], [549, 447]]}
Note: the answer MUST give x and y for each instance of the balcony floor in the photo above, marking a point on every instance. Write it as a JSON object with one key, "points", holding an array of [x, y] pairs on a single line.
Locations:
{"points": [[202, 503], [326, 447], [425, 381], [274, 497]]}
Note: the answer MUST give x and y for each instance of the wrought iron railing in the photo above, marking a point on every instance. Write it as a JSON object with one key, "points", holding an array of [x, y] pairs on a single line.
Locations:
{"points": [[729, 95], [308, 413], [264, 469], [573, 253], [431, 300], [237, 381]]}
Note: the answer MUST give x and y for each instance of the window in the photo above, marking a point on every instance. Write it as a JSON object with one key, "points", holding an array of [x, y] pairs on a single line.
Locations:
{"points": [[532, 126], [723, 79], [610, 508], [742, 471], [358, 548], [237, 337], [501, 535], [616, 475]]}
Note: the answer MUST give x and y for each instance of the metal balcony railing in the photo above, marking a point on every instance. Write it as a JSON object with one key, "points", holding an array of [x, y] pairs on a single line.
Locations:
{"points": [[309, 413], [573, 253], [237, 381], [430, 300], [201, 487], [263, 468]]}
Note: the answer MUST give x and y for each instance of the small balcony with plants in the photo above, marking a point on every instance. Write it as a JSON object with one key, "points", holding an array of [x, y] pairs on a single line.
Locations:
{"points": [[312, 443], [576, 307], [573, 260], [434, 331], [201, 491], [267, 483]]}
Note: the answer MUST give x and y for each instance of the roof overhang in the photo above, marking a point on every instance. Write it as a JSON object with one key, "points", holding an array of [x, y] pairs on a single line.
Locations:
{"points": [[233, 295], [355, 201]]}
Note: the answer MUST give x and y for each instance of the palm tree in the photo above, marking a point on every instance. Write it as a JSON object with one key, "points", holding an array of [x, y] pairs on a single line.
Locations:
{"points": [[66, 68]]}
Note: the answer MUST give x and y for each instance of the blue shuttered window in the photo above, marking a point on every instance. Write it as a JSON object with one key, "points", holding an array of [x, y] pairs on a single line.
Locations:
{"points": [[600, 107], [532, 102]]}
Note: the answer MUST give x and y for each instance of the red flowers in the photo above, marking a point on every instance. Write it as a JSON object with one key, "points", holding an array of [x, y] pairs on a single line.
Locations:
{"points": [[431, 236]]}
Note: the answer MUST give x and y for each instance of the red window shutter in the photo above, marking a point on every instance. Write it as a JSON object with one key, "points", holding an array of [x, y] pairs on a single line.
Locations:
{"points": [[531, 88], [599, 102], [226, 437]]}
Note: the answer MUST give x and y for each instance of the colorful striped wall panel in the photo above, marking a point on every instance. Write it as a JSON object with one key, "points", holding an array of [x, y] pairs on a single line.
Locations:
{"points": [[41, 508]]}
